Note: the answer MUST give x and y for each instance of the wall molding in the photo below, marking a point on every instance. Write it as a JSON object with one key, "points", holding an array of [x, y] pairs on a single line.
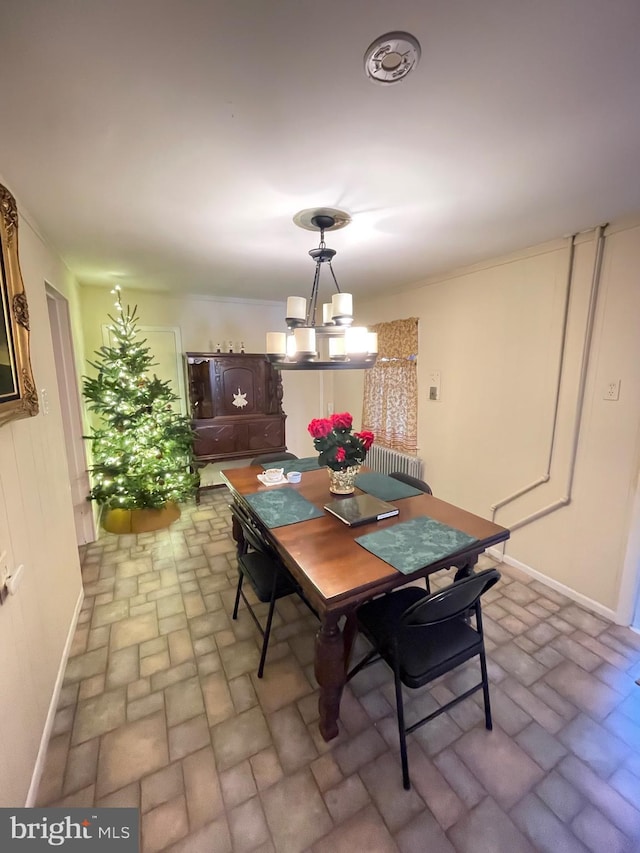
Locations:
{"points": [[557, 244], [53, 706], [180, 297], [578, 597]]}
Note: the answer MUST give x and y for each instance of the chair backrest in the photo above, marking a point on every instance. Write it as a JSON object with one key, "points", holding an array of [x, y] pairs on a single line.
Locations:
{"points": [[451, 602], [273, 457], [250, 532], [412, 481]]}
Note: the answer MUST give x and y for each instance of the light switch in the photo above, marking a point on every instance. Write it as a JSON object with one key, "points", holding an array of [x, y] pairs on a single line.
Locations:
{"points": [[434, 384]]}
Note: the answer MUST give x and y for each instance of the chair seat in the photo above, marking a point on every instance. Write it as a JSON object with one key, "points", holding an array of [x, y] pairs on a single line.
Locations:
{"points": [[266, 573], [266, 458], [422, 637], [259, 569], [412, 481], [425, 652]]}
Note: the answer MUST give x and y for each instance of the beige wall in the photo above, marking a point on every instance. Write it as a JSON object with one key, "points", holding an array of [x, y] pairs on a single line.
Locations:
{"points": [[36, 529], [494, 333], [315, 394]]}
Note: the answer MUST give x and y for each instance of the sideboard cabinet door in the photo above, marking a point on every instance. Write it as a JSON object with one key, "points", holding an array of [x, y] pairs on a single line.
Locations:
{"points": [[236, 405]]}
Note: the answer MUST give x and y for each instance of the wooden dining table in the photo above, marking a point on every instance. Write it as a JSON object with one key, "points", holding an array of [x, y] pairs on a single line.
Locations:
{"points": [[337, 575]]}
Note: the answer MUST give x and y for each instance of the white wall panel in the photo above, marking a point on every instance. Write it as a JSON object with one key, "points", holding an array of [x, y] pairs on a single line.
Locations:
{"points": [[36, 529]]}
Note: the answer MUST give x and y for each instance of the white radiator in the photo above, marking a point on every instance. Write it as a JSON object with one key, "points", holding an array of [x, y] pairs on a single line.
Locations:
{"points": [[384, 460]]}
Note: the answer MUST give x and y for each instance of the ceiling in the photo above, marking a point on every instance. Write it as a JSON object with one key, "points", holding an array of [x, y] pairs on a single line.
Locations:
{"points": [[167, 144]]}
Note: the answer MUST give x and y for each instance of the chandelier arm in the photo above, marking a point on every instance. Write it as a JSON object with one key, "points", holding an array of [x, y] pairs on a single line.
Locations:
{"points": [[335, 280], [311, 313]]}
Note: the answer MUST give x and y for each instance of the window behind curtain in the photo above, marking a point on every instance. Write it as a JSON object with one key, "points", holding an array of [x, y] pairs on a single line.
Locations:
{"points": [[390, 408]]}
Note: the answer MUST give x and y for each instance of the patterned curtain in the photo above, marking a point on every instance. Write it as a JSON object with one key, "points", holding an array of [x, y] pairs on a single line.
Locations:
{"points": [[390, 408]]}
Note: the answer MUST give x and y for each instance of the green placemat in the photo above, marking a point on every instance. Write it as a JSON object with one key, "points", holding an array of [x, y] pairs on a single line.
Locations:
{"points": [[385, 487], [281, 506], [410, 545], [307, 463]]}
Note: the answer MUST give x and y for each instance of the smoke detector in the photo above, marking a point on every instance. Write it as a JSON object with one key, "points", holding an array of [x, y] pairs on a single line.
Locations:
{"points": [[391, 57]]}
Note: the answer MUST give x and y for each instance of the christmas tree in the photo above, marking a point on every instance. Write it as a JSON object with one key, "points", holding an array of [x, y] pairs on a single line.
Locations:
{"points": [[142, 449]]}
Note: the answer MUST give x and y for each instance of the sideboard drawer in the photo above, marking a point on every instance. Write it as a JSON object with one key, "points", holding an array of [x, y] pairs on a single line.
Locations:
{"points": [[266, 434]]}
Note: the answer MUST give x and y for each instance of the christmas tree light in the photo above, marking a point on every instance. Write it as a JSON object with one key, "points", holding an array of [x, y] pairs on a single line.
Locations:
{"points": [[142, 449]]}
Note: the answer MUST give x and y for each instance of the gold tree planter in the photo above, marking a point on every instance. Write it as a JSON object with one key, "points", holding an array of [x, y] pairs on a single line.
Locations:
{"points": [[140, 520]]}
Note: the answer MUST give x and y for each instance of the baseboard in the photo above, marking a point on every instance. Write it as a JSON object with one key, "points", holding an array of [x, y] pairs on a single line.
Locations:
{"points": [[578, 597], [53, 706]]}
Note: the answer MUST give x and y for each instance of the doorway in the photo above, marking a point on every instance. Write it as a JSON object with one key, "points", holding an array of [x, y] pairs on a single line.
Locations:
{"points": [[70, 407]]}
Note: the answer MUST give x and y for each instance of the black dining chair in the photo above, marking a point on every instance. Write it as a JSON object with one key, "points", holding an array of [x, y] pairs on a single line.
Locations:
{"points": [[267, 575], [272, 457], [422, 637], [412, 481]]}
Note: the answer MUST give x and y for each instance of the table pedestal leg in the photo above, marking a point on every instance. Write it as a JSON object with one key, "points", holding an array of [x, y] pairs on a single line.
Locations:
{"points": [[349, 633], [464, 571], [330, 674]]}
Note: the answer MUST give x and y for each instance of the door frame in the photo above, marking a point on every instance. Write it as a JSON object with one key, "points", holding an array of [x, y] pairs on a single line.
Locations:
{"points": [[71, 411]]}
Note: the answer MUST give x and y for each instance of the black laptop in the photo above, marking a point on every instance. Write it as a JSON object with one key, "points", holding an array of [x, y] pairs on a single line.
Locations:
{"points": [[361, 509]]}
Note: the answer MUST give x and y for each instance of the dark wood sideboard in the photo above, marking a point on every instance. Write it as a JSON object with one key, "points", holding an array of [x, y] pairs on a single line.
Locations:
{"points": [[236, 405]]}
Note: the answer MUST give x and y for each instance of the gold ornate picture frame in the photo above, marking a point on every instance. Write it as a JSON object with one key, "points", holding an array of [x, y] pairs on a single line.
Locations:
{"points": [[18, 397]]}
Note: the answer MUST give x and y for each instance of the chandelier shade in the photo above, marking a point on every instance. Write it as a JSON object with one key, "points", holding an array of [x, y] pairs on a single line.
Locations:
{"points": [[321, 335]]}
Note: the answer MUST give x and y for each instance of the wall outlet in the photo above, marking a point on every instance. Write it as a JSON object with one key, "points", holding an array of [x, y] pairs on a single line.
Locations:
{"points": [[612, 390]]}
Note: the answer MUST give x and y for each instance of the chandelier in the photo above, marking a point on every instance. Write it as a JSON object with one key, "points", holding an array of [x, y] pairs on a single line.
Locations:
{"points": [[330, 341]]}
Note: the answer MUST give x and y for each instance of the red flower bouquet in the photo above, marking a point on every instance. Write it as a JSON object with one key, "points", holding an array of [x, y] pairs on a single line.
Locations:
{"points": [[338, 447]]}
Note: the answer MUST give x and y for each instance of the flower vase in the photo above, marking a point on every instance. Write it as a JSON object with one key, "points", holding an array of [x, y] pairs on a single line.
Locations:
{"points": [[342, 482]]}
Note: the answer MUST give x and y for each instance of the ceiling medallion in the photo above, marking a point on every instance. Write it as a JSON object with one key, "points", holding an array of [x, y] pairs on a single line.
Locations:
{"points": [[391, 57], [305, 218]]}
